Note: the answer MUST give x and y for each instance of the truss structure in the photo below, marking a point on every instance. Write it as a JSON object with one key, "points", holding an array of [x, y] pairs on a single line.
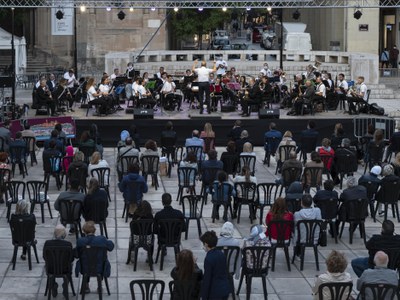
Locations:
{"points": [[126, 4]]}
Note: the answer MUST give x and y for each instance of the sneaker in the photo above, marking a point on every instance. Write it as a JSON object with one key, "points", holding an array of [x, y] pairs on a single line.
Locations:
{"points": [[381, 213], [54, 291]]}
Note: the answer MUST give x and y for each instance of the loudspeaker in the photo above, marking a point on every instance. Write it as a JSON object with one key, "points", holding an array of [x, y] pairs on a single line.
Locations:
{"points": [[227, 108], [268, 113], [6, 82], [143, 113]]}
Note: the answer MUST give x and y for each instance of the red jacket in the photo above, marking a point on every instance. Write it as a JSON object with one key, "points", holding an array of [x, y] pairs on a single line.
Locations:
{"points": [[288, 216], [328, 164]]}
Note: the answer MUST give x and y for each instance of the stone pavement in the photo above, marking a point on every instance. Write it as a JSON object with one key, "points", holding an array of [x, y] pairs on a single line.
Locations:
{"points": [[282, 284]]}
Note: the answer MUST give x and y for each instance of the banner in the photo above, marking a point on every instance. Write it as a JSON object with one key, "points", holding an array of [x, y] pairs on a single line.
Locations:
{"points": [[65, 26]]}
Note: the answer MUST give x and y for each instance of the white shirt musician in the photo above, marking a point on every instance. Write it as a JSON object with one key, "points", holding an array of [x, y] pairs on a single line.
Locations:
{"points": [[70, 77], [321, 88], [341, 85]]}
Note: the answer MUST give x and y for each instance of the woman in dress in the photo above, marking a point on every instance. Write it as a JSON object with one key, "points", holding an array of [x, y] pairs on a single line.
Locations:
{"points": [[208, 135]]}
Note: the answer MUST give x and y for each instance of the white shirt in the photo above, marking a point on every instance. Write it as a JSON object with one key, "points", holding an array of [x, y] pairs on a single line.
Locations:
{"points": [[71, 79], [168, 87], [266, 72], [321, 89], [135, 87], [203, 74], [113, 76], [221, 67], [362, 88], [142, 91], [104, 88], [342, 85], [90, 93]]}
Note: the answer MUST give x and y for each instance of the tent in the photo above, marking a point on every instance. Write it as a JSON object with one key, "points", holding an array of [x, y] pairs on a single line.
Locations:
{"points": [[20, 50]]}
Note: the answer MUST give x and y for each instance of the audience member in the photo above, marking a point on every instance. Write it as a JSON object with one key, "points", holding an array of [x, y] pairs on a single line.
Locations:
{"points": [[279, 212], [95, 136], [222, 191], [257, 238], [94, 196], [247, 149], [327, 193], [54, 137], [86, 140], [272, 133], [327, 150], [337, 136], [245, 176], [244, 138], [133, 132], [123, 136], [336, 265], [226, 236], [315, 162], [96, 162], [212, 162], [388, 176], [372, 176], [208, 133], [236, 131], [287, 140], [195, 140], [396, 164], [69, 153], [230, 158]]}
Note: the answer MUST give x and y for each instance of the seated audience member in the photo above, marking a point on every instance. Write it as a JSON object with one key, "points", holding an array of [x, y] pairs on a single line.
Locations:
{"points": [[272, 132], [342, 152], [4, 164], [327, 193], [380, 274], [133, 197], [96, 137], [86, 140], [69, 153], [212, 162], [287, 140], [245, 176], [226, 236], [257, 238], [195, 140], [236, 131], [292, 162], [128, 150], [315, 162], [54, 137], [123, 136], [134, 134], [385, 240], [6, 134], [294, 192], [336, 265], [244, 138], [59, 241], [221, 182], [97, 162], [229, 158], [247, 149], [327, 150], [372, 176], [396, 164], [77, 162], [90, 239], [94, 196], [278, 212], [337, 136], [208, 133], [388, 176], [168, 136], [186, 272], [144, 211]]}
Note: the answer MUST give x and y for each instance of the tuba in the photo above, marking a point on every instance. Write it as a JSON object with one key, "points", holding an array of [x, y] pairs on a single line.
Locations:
{"points": [[316, 65]]}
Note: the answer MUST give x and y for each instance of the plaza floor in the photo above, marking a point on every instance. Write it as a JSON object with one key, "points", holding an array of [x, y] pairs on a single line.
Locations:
{"points": [[282, 284]]}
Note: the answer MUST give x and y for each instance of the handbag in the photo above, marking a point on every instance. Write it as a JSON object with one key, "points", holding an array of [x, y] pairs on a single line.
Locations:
{"points": [[323, 239]]}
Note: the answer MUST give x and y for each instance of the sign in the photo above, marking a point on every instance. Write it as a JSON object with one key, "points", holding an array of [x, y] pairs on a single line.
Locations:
{"points": [[65, 26], [363, 27]]}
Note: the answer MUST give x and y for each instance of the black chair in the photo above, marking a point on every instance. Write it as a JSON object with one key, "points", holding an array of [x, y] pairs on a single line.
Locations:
{"points": [[37, 192], [314, 174], [372, 188], [133, 186], [87, 151], [168, 150], [394, 147], [271, 146], [5, 175], [186, 179], [181, 289], [90, 258], [231, 163], [124, 162], [363, 106], [248, 161], [70, 213], [31, 144], [23, 235], [208, 175], [336, 290], [66, 161], [378, 291], [198, 151], [307, 145], [223, 191], [2, 143], [389, 194], [345, 163], [312, 230], [282, 227], [18, 157], [266, 194], [103, 176], [98, 214], [232, 255], [329, 211], [52, 168], [327, 159], [150, 167], [255, 263], [245, 195], [169, 235], [356, 212], [290, 175], [192, 209], [15, 190], [374, 155], [58, 264], [141, 236], [148, 288], [79, 173]]}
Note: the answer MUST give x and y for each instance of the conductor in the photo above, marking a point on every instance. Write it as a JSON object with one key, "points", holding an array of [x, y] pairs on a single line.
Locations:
{"points": [[203, 74]]}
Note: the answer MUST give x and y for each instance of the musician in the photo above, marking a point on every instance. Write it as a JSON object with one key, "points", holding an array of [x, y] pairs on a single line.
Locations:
{"points": [[216, 89], [62, 94], [71, 80], [44, 97], [169, 96], [266, 89], [341, 88], [115, 74], [320, 93], [95, 98], [266, 71], [357, 96], [130, 71], [106, 92], [222, 66], [160, 72], [303, 98], [252, 96], [145, 97], [51, 83], [309, 73], [204, 84]]}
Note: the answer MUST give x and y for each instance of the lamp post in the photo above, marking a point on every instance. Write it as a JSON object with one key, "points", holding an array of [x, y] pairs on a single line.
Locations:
{"points": [[75, 46], [13, 74], [281, 37]]}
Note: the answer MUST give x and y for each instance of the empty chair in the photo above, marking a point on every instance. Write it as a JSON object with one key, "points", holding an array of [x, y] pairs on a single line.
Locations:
{"points": [[52, 168], [147, 288], [37, 192], [192, 209], [266, 194], [289, 176], [245, 195], [31, 144], [186, 179], [18, 156], [141, 236], [389, 194], [70, 213], [150, 167], [329, 211]]}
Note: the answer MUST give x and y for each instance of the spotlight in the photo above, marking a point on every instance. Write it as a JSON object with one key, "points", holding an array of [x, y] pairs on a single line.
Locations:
{"points": [[224, 9], [200, 8], [59, 15], [176, 9], [269, 8], [108, 8], [357, 14], [248, 8], [121, 15], [153, 9], [131, 9], [83, 8], [296, 14]]}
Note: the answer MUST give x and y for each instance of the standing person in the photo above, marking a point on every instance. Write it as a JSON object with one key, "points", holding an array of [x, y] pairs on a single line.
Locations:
{"points": [[385, 58], [393, 56], [204, 83], [215, 282]]}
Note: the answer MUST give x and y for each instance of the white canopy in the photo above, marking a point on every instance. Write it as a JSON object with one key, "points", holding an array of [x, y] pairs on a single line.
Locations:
{"points": [[20, 50]]}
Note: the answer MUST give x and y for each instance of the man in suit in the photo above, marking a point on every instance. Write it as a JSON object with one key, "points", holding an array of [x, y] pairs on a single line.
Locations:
{"points": [[212, 162], [215, 281], [51, 83], [327, 193], [59, 241], [303, 98], [44, 97], [385, 240], [380, 274], [252, 96]]}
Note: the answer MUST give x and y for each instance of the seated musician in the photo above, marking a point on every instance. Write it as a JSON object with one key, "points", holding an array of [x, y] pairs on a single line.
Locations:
{"points": [[63, 94], [341, 88], [51, 83], [266, 90], [44, 97], [114, 75], [71, 80], [215, 91], [95, 98], [357, 96], [107, 93], [251, 96], [170, 99], [304, 97], [186, 82], [145, 97], [320, 93]]}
